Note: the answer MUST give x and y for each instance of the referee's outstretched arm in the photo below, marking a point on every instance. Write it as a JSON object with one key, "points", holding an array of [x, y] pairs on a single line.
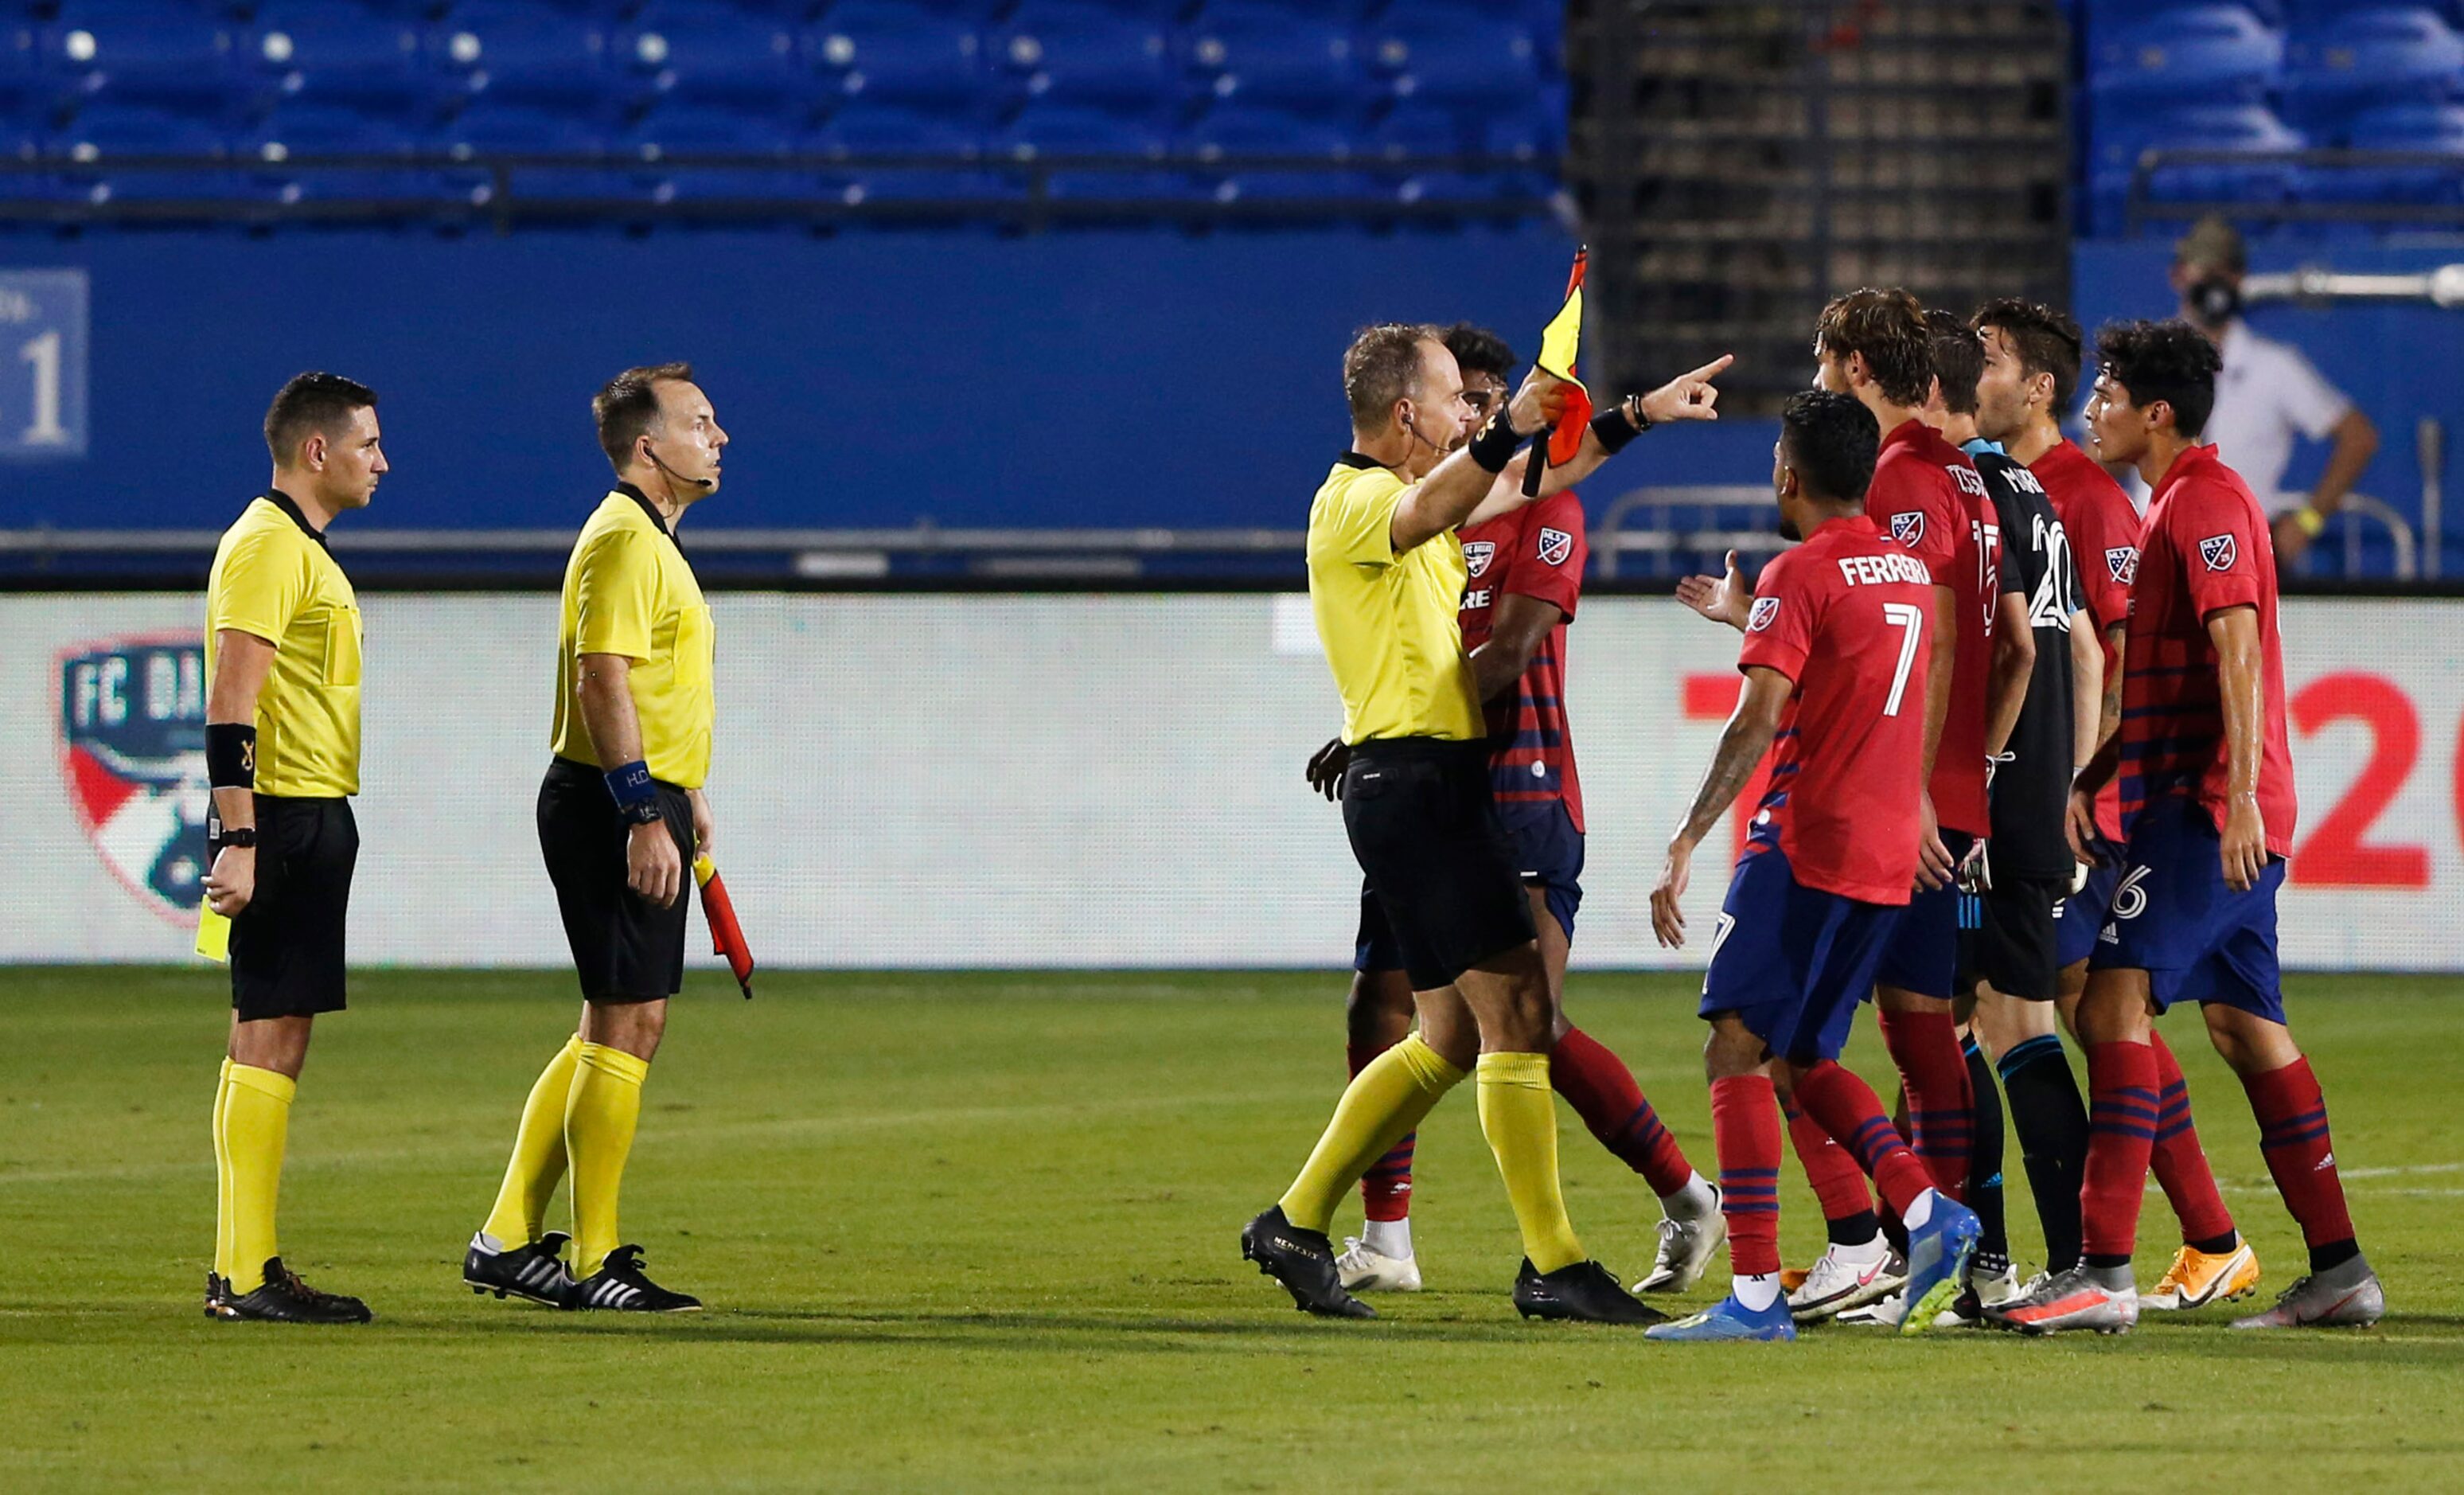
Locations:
{"points": [[1688, 397], [1445, 499]]}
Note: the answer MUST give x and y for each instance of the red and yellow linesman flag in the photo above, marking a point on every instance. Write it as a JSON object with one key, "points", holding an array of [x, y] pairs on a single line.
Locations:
{"points": [[1561, 343], [726, 936]]}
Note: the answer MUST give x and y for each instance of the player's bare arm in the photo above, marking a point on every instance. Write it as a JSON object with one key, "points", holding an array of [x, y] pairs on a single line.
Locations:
{"points": [[2235, 632], [2014, 658], [1742, 742], [1690, 396], [2087, 689], [2086, 786], [652, 866], [1454, 492], [1934, 866], [241, 663], [1722, 599], [1522, 623]]}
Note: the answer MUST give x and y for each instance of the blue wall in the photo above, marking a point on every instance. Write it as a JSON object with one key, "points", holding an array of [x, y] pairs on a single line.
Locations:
{"points": [[1094, 379]]}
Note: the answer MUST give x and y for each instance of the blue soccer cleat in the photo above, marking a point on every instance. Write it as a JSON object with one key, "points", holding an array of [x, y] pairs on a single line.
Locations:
{"points": [[1729, 1319], [1938, 1254]]}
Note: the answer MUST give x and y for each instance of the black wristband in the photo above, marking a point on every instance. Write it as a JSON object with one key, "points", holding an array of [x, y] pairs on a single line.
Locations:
{"points": [[1612, 430], [230, 756], [1496, 443]]}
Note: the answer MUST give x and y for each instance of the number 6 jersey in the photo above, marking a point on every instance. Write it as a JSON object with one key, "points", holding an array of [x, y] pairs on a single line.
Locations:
{"points": [[1848, 617]]}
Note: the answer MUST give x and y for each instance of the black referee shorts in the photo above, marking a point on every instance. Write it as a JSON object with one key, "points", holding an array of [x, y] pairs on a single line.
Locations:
{"points": [[626, 948], [287, 955], [2012, 947], [1424, 828]]}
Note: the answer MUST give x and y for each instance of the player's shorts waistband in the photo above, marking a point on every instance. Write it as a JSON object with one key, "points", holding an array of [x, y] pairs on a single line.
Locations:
{"points": [[305, 801], [572, 770], [1437, 749]]}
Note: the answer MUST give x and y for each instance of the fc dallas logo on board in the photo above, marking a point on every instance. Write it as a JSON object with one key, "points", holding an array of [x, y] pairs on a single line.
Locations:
{"points": [[2218, 552], [1477, 555], [2123, 560], [133, 750], [1908, 528], [1555, 546]]}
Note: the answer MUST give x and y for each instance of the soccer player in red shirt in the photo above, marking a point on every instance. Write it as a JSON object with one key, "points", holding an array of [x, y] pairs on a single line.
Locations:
{"points": [[2035, 350], [1525, 578], [1834, 659], [2207, 792]]}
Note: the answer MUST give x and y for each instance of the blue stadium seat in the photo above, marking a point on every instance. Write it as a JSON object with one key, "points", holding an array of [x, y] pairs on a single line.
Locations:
{"points": [[2374, 54], [948, 153], [520, 52], [2248, 128], [1263, 54], [1079, 53], [887, 54], [2095, 17], [2209, 51], [88, 144], [698, 51], [346, 54], [664, 144], [143, 52], [1451, 60], [20, 97], [1226, 136], [2307, 12], [303, 130], [488, 128], [1043, 131], [2432, 127]]}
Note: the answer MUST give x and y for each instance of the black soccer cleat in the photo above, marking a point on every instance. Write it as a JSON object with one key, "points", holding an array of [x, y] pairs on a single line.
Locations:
{"points": [[1585, 1292], [1303, 1261], [619, 1285], [283, 1299], [534, 1271]]}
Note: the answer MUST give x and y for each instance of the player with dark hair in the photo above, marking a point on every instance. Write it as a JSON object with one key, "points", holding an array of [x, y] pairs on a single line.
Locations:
{"points": [[1386, 580], [1834, 653], [282, 757], [1525, 571], [2207, 788], [621, 815]]}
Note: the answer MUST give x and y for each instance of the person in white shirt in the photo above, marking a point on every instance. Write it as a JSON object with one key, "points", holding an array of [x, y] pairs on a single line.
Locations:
{"points": [[2267, 393]]}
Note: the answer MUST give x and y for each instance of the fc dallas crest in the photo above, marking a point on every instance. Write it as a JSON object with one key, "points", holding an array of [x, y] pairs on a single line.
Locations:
{"points": [[1477, 555], [133, 750]]}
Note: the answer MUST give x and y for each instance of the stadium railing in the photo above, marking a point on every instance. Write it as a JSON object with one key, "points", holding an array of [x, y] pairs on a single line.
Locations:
{"points": [[2143, 207]]}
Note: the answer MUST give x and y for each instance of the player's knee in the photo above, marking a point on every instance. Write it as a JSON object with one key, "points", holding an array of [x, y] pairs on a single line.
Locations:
{"points": [[2249, 1045]]}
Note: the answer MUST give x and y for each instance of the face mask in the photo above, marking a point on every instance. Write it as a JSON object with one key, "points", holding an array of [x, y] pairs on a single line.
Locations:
{"points": [[2217, 299]]}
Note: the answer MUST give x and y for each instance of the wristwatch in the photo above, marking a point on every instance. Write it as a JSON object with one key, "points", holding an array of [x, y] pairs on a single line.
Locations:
{"points": [[243, 836]]}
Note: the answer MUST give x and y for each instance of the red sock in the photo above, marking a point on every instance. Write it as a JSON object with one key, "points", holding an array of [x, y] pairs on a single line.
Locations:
{"points": [[1941, 1106], [2121, 1134], [1746, 1133], [1386, 1188], [1847, 1108], [2293, 1134], [2180, 1164], [1838, 1181], [1602, 1092]]}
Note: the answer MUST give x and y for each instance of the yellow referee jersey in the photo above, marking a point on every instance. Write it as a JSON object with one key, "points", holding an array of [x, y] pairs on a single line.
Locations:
{"points": [[1388, 622], [274, 577], [628, 591]]}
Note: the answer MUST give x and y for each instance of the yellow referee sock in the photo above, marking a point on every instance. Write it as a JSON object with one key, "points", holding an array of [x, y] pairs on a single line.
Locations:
{"points": [[1386, 1101], [222, 1175], [1518, 1114], [256, 1122], [599, 1113], [537, 1164]]}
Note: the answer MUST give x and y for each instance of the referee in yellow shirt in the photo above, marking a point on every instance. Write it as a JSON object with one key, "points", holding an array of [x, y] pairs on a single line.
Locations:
{"points": [[282, 755], [619, 815], [1386, 580]]}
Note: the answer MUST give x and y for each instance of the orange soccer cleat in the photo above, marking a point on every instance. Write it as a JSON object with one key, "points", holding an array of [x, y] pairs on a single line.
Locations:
{"points": [[2198, 1278]]}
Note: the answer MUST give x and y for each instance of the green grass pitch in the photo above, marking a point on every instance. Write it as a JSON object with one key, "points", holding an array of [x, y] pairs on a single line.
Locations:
{"points": [[978, 1230]]}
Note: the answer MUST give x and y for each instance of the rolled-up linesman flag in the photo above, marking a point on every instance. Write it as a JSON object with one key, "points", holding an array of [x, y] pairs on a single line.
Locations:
{"points": [[1560, 341], [726, 936], [213, 930]]}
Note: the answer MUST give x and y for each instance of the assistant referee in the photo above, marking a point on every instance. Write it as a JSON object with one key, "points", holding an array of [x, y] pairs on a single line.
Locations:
{"points": [[282, 756], [1386, 580], [619, 815]]}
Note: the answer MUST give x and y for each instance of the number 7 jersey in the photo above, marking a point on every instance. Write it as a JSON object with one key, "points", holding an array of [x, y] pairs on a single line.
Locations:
{"points": [[1847, 617]]}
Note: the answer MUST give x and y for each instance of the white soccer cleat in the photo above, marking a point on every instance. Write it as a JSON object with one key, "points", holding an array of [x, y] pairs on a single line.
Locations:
{"points": [[1881, 1314], [1839, 1282], [1686, 1247], [2003, 1286], [1364, 1271]]}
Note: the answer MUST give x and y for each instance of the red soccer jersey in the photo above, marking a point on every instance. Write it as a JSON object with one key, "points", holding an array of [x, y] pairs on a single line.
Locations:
{"points": [[2103, 531], [1848, 617], [1927, 496], [1536, 551], [2206, 547]]}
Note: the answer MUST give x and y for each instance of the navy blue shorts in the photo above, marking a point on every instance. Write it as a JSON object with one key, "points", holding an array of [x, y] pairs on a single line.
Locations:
{"points": [[1547, 856], [2174, 918], [1794, 962], [2079, 918], [1923, 954]]}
